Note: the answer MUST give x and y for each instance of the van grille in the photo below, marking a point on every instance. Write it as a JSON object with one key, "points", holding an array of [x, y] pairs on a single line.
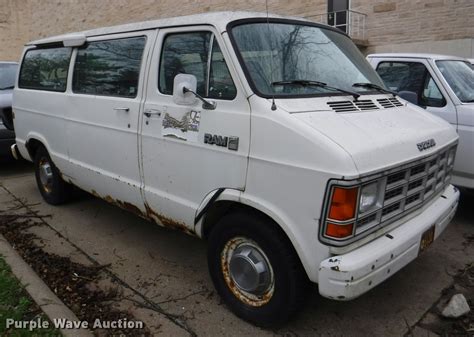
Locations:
{"points": [[415, 185], [400, 191]]}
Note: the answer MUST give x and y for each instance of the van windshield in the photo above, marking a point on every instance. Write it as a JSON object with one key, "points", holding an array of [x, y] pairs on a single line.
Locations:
{"points": [[292, 53], [7, 75], [460, 78]]}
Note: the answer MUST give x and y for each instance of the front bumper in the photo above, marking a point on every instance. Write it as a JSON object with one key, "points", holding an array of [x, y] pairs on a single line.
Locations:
{"points": [[350, 275]]}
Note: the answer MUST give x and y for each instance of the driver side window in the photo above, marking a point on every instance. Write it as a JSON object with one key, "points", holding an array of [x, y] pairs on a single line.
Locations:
{"points": [[198, 54], [412, 77], [431, 96]]}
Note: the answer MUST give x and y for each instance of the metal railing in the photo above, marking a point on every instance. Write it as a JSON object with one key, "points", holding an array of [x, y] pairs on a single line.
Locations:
{"points": [[349, 21]]}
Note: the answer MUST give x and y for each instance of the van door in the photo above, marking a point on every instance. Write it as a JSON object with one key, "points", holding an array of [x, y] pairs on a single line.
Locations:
{"points": [[188, 152], [107, 92]]}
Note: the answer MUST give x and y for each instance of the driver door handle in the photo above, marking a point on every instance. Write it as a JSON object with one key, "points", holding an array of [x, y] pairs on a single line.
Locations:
{"points": [[152, 112]]}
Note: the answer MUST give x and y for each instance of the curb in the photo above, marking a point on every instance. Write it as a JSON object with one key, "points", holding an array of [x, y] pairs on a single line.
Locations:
{"points": [[49, 303]]}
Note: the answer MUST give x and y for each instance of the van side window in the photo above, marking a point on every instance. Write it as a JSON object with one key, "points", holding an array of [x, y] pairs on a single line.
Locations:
{"points": [[431, 96], [109, 68], [413, 77], [188, 53], [45, 69], [221, 85]]}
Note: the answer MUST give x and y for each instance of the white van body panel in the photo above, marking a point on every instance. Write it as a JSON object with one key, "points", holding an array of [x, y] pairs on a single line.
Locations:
{"points": [[464, 171], [457, 113], [179, 169], [353, 131], [282, 167]]}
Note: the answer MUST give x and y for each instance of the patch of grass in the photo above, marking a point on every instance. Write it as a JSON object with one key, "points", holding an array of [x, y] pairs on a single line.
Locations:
{"points": [[17, 305]]}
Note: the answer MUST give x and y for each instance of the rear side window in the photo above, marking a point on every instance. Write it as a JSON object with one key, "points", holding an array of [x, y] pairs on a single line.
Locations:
{"points": [[109, 68], [45, 69]]}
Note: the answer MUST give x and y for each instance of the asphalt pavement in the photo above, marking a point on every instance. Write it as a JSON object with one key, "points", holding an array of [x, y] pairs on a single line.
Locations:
{"points": [[169, 269]]}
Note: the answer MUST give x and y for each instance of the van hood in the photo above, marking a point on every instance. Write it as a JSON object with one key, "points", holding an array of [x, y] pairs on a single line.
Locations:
{"points": [[375, 139]]}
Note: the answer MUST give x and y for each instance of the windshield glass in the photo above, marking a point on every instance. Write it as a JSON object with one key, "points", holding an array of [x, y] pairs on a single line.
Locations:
{"points": [[7, 75], [460, 78], [284, 51]]}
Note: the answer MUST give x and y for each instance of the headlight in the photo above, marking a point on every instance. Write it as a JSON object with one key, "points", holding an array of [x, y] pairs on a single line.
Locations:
{"points": [[370, 197]]}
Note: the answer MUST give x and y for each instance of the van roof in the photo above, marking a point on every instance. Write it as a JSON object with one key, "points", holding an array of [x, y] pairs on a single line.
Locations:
{"points": [[217, 19], [416, 55]]}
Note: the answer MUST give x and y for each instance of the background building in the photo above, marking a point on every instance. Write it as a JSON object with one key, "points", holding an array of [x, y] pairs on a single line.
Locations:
{"points": [[441, 26]]}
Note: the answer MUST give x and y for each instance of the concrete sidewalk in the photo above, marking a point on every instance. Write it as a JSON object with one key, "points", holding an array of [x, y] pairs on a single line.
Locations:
{"points": [[169, 270]]}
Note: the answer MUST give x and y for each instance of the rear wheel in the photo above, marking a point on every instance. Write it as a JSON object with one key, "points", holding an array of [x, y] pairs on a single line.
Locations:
{"points": [[256, 270], [53, 188]]}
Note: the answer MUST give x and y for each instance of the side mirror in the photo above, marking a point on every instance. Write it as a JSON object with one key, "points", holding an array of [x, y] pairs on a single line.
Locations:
{"points": [[182, 81], [409, 96]]}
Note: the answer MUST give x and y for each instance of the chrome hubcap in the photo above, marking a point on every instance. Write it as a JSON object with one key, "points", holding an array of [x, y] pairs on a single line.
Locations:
{"points": [[247, 271], [45, 174]]}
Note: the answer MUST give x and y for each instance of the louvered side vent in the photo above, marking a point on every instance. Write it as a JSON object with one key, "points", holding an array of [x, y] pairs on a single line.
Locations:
{"points": [[365, 104], [395, 101], [343, 106], [391, 102]]}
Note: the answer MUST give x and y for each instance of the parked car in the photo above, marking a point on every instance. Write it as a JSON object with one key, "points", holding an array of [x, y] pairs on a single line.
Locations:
{"points": [[444, 86], [272, 138], [8, 71]]}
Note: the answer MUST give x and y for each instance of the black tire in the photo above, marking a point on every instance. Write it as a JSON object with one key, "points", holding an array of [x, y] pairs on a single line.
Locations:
{"points": [[56, 191], [290, 282]]}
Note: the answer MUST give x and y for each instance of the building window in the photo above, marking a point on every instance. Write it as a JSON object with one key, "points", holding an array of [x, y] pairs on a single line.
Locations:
{"points": [[338, 15]]}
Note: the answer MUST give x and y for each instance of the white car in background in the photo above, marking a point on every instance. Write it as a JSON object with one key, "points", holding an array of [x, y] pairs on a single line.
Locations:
{"points": [[444, 86]]}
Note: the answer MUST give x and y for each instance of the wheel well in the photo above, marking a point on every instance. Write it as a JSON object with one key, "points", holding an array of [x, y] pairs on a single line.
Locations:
{"points": [[221, 208], [32, 146]]}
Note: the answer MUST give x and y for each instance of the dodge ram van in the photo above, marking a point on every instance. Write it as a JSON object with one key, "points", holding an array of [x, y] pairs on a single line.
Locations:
{"points": [[444, 86], [270, 137]]}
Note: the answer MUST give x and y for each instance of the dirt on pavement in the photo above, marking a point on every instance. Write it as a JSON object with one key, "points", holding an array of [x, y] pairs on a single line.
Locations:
{"points": [[75, 284]]}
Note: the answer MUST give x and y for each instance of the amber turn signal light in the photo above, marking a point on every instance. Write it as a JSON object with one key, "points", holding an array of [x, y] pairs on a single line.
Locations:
{"points": [[343, 203], [339, 231]]}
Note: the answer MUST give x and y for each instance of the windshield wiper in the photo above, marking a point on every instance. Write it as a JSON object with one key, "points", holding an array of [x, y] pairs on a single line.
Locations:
{"points": [[375, 87], [7, 88], [308, 83]]}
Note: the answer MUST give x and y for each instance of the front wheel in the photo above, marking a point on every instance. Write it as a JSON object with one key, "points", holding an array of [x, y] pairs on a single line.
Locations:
{"points": [[256, 270], [53, 188]]}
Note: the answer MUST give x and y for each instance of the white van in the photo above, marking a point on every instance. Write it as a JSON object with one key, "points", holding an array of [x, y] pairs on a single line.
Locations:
{"points": [[272, 138], [444, 86]]}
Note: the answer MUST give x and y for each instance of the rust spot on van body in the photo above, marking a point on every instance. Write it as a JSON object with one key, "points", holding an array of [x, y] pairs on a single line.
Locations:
{"points": [[149, 214], [167, 222]]}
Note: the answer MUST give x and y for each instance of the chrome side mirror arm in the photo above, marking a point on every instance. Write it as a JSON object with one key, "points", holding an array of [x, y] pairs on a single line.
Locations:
{"points": [[206, 104]]}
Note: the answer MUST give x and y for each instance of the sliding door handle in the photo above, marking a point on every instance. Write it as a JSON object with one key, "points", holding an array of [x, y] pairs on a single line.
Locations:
{"points": [[122, 109]]}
